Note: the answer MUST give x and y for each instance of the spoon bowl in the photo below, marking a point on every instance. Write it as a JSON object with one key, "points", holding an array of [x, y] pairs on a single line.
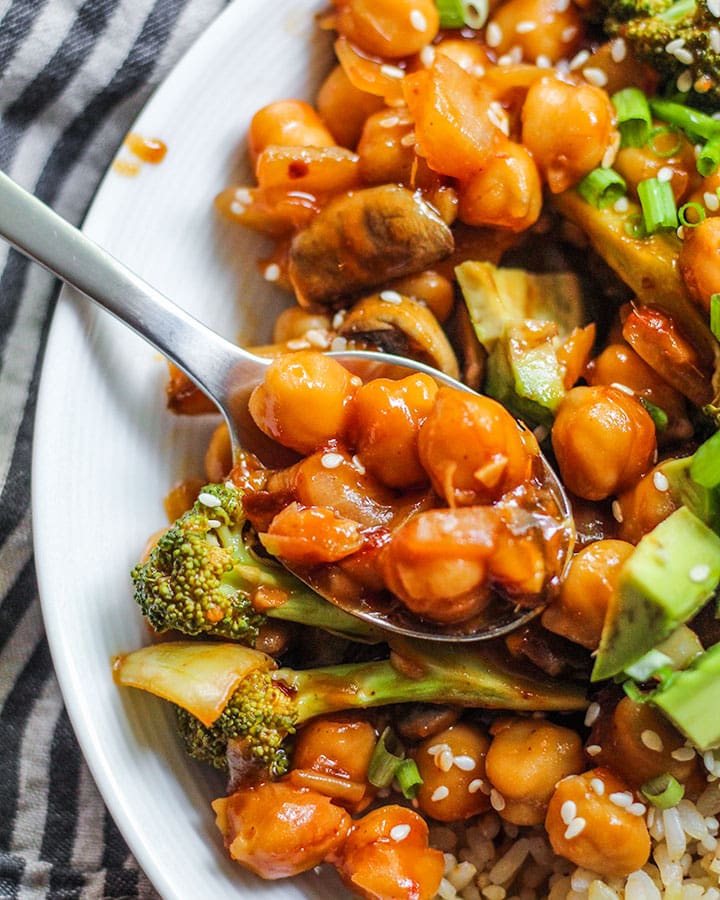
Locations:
{"points": [[227, 374]]}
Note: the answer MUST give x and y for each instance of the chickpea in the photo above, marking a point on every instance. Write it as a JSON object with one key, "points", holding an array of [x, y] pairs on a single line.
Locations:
{"points": [[311, 535], [385, 154], [557, 34], [387, 28], [638, 163], [578, 612], [644, 506], [507, 193], [473, 449], [467, 53], [452, 792], [277, 830], [602, 836], [582, 130], [704, 187], [637, 744], [620, 364], [699, 260], [294, 322], [219, 456], [384, 420], [302, 402], [526, 759], [344, 107], [387, 855], [604, 441], [431, 288], [287, 123], [436, 563]]}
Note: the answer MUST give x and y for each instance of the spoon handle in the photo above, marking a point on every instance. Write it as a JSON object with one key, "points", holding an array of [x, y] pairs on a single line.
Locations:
{"points": [[40, 233]]}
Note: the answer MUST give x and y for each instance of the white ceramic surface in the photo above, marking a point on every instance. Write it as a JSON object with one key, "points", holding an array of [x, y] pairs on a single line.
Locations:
{"points": [[106, 451]]}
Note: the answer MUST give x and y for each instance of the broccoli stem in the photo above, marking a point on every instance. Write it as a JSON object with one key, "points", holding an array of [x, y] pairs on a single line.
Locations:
{"points": [[422, 671]]}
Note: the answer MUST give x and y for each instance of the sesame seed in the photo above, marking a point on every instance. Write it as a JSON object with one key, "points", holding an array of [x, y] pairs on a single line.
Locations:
{"points": [[440, 793], [711, 201], [623, 799], [616, 511], [579, 59], [593, 711], [684, 81], [621, 205], [714, 36], [464, 763], [684, 56], [444, 760], [543, 62], [680, 232], [298, 344], [623, 387], [437, 748], [618, 50], [568, 34], [214, 523], [652, 740], [561, 6], [493, 35], [714, 8], [699, 573], [272, 272], [392, 71], [358, 466], [497, 801], [593, 749], [338, 343], [575, 828], [418, 20], [399, 832], [209, 500], [339, 318], [525, 27], [598, 786], [637, 809], [317, 338], [390, 297], [427, 56], [237, 208], [389, 122], [243, 195], [683, 754], [568, 811], [665, 173], [331, 460], [674, 45], [660, 481], [407, 140], [475, 785], [505, 60], [477, 70]]}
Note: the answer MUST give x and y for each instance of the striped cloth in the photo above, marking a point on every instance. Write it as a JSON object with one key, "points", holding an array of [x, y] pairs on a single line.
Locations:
{"points": [[73, 75]]}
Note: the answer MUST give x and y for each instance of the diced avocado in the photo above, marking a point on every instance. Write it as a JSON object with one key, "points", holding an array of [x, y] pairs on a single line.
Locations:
{"points": [[703, 502], [675, 652], [496, 298], [670, 575], [690, 699], [523, 372]]}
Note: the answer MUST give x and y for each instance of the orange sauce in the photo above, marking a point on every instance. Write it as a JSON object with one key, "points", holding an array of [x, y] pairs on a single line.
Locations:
{"points": [[150, 150], [126, 167]]}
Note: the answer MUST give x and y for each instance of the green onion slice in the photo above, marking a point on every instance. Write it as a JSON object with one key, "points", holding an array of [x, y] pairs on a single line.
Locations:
{"points": [[634, 226], [659, 416], [408, 778], [699, 214], [602, 187], [462, 13], [664, 792], [633, 116], [654, 142], [715, 315], [709, 158], [658, 205], [696, 125], [383, 763], [705, 465]]}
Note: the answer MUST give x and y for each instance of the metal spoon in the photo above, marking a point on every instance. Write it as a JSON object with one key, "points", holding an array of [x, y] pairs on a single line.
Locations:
{"points": [[227, 374]]}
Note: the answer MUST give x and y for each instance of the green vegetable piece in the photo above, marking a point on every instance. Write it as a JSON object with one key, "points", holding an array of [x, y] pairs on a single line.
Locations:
{"points": [[461, 13], [602, 187], [663, 792], [703, 502], [383, 763], [709, 157], [671, 574], [675, 652], [659, 416], [690, 700], [408, 778], [694, 123], [705, 465], [658, 205], [633, 116], [715, 315]]}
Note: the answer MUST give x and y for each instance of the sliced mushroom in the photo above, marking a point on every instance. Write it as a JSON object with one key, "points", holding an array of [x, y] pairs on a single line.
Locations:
{"points": [[364, 239], [398, 324]]}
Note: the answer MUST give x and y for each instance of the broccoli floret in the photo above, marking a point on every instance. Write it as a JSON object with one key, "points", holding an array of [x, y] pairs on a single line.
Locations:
{"points": [[267, 706], [202, 578], [692, 62]]}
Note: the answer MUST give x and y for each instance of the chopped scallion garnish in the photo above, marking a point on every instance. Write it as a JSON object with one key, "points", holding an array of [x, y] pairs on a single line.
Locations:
{"points": [[698, 214], [659, 416], [462, 13], [658, 205], [408, 778], [386, 766], [634, 226], [696, 125], [715, 315], [602, 187], [633, 116], [658, 144], [709, 158], [664, 792], [705, 465]]}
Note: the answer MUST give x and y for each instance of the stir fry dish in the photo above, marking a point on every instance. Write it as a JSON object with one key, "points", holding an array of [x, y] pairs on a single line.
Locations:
{"points": [[523, 196]]}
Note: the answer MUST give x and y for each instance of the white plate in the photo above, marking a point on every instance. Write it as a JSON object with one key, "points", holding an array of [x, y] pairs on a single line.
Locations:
{"points": [[106, 451]]}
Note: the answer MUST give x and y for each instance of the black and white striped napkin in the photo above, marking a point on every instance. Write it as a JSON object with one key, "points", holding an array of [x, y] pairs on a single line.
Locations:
{"points": [[73, 75]]}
